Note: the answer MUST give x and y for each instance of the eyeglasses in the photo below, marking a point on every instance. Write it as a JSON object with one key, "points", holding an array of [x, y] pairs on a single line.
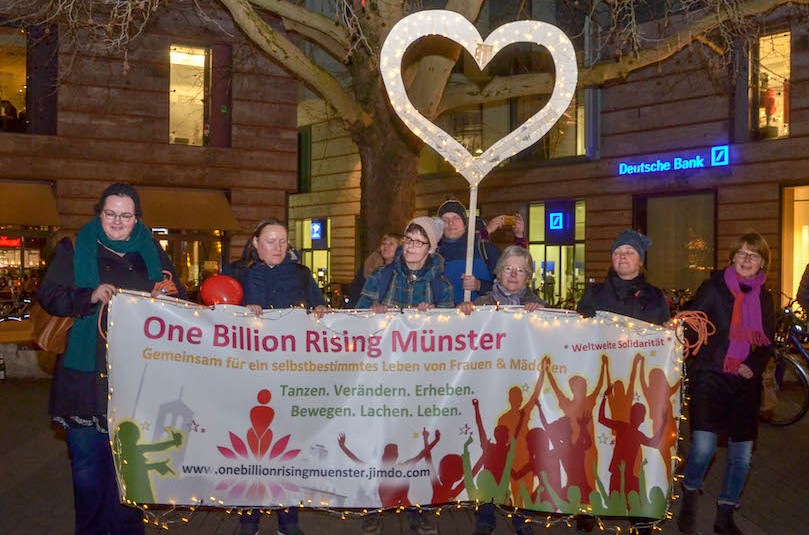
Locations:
{"points": [[516, 270], [418, 244], [753, 257], [109, 215]]}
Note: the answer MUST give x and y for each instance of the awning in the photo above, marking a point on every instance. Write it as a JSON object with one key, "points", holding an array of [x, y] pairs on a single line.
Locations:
{"points": [[28, 204], [186, 209]]}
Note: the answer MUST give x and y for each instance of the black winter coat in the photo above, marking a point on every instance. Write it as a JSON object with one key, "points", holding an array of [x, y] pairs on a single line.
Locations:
{"points": [[635, 298], [721, 402], [74, 392]]}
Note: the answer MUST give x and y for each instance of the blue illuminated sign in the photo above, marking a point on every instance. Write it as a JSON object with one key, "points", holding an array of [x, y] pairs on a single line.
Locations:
{"points": [[317, 230], [556, 220], [718, 156]]}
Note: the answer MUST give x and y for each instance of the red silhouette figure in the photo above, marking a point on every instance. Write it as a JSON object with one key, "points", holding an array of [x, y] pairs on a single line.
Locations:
{"points": [[494, 453], [392, 493], [448, 482], [571, 453], [516, 421], [578, 409], [621, 399], [628, 440], [658, 394], [541, 458], [259, 437]]}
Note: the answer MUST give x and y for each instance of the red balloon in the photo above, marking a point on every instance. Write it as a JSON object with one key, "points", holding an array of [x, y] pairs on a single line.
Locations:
{"points": [[221, 289]]}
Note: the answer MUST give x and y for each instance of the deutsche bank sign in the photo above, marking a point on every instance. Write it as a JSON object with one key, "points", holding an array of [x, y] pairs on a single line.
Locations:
{"points": [[716, 157]]}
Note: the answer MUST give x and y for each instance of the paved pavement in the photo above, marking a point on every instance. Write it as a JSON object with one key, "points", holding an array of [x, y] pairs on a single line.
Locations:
{"points": [[36, 496]]}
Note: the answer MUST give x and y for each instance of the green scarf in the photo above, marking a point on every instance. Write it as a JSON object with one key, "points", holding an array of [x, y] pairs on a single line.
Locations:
{"points": [[81, 345]]}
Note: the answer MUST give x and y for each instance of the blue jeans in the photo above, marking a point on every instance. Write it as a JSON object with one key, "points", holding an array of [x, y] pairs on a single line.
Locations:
{"points": [[700, 452], [95, 492]]}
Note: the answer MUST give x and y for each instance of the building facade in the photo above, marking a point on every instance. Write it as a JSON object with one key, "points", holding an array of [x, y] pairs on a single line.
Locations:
{"points": [[691, 158], [194, 116]]}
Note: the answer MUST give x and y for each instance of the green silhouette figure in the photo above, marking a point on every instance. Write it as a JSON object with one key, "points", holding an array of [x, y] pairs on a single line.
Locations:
{"points": [[132, 463]]}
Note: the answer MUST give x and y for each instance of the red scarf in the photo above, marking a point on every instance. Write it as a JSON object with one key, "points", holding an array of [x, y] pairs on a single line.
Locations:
{"points": [[746, 327]]}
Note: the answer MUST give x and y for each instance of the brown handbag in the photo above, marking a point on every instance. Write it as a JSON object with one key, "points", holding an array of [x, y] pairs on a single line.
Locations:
{"points": [[50, 332]]}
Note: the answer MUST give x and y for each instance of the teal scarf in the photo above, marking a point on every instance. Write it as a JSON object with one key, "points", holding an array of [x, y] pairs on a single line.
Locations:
{"points": [[81, 345]]}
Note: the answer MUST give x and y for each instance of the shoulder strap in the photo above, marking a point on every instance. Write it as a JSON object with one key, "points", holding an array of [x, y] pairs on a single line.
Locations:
{"points": [[436, 288], [384, 282]]}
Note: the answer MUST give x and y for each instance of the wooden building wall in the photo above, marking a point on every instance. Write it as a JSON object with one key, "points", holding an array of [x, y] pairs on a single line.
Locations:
{"points": [[672, 107], [114, 126]]}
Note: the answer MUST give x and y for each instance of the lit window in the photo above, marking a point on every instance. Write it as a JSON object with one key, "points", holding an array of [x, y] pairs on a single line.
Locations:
{"points": [[770, 82], [13, 44], [189, 95]]}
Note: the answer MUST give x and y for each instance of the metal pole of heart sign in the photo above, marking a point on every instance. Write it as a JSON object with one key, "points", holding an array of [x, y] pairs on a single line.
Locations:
{"points": [[455, 27]]}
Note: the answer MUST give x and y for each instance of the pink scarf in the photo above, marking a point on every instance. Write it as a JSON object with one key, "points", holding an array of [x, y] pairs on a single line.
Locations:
{"points": [[746, 327]]}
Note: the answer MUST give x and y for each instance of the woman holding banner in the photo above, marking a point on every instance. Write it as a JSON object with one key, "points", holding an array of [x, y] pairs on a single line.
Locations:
{"points": [[114, 250], [725, 378], [626, 292], [513, 271], [277, 280]]}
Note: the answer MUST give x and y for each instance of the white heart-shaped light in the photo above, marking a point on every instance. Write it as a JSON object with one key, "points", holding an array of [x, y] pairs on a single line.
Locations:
{"points": [[455, 27]]}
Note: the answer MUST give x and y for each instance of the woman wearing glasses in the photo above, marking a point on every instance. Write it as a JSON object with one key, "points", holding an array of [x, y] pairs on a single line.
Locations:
{"points": [[725, 377], [416, 277], [114, 250], [513, 271]]}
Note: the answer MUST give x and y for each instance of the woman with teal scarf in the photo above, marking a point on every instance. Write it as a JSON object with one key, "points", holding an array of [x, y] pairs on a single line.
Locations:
{"points": [[114, 250]]}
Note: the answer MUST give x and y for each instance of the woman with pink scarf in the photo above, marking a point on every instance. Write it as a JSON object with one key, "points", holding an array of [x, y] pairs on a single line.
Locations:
{"points": [[725, 378]]}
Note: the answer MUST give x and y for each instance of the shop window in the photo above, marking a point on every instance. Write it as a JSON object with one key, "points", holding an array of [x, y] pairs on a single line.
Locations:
{"points": [[200, 96], [682, 229], [769, 81], [559, 275], [28, 71], [795, 239], [313, 244], [479, 127], [195, 255], [23, 251]]}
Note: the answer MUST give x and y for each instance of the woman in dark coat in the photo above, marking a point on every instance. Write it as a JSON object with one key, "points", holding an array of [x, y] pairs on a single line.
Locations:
{"points": [[114, 250], [626, 292], [725, 377]]}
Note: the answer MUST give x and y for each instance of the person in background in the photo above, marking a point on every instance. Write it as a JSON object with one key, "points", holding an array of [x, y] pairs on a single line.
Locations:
{"points": [[626, 292], [453, 249], [114, 250], [725, 378], [382, 256], [513, 272], [274, 279]]}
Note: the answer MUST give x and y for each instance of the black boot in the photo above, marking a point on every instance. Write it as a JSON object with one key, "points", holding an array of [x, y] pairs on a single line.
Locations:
{"points": [[687, 519], [724, 520]]}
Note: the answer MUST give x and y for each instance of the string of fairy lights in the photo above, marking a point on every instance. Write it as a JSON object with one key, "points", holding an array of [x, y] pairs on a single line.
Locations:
{"points": [[171, 515]]}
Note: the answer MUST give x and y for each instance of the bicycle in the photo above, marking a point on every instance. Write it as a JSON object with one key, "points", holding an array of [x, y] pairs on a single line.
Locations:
{"points": [[790, 379]]}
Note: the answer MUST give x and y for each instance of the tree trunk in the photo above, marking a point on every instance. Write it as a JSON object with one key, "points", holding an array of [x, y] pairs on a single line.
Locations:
{"points": [[389, 159]]}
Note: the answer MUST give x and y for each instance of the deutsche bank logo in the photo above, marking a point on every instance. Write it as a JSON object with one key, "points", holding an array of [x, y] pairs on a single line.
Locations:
{"points": [[556, 220], [317, 233], [720, 155]]}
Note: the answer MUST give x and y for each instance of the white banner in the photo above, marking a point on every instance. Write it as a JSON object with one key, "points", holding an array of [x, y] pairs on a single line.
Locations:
{"points": [[547, 411]]}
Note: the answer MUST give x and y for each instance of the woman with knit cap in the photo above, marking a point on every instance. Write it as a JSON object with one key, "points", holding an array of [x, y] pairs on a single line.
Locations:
{"points": [[416, 277], [114, 250], [725, 378], [626, 292]]}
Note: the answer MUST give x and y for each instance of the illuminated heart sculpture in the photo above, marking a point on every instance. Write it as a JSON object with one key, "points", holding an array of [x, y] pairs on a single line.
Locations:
{"points": [[455, 27]]}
